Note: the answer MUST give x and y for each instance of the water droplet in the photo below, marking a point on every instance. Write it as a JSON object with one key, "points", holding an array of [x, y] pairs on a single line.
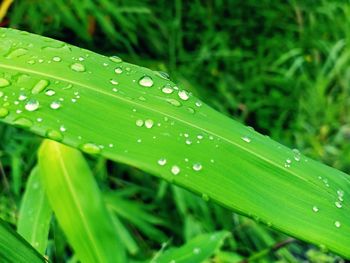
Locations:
{"points": [[337, 224], [32, 105], [174, 102], [198, 103], [3, 112], [197, 167], [162, 161], [90, 148], [146, 81], [183, 94], [175, 170], [56, 59], [296, 155], [188, 142], [196, 250], [78, 67], [315, 209], [63, 128], [22, 97], [23, 122], [246, 139], [338, 204], [55, 105], [39, 119], [139, 123], [149, 123], [114, 82], [50, 92], [40, 86], [163, 75], [4, 83], [118, 70], [167, 89], [115, 59], [54, 135]]}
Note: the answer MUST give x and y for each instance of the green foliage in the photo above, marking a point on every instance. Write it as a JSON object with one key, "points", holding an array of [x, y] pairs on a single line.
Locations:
{"points": [[279, 67]]}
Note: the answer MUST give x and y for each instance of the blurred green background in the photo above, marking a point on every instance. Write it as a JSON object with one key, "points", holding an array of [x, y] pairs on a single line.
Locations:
{"points": [[281, 67]]}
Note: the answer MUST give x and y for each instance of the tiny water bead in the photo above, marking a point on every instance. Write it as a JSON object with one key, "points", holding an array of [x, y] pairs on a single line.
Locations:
{"points": [[149, 123], [296, 155], [315, 209], [198, 103], [114, 82], [22, 97], [175, 170], [287, 163], [338, 204], [337, 224], [32, 105], [90, 148], [118, 70], [55, 105], [146, 81], [4, 83], [3, 112], [115, 59], [54, 135], [56, 59], [78, 67], [183, 94], [246, 139], [197, 167], [162, 161], [40, 86]]}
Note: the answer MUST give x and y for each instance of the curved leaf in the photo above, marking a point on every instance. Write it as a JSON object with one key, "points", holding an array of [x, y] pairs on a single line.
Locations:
{"points": [[136, 116]]}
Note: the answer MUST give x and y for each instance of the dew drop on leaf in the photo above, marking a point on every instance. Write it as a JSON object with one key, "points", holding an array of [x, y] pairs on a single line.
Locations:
{"points": [[115, 59], [175, 170], [118, 70], [40, 86], [183, 94], [50, 92], [139, 123], [146, 81], [54, 135], [149, 123], [167, 89], [78, 67], [32, 105], [4, 83], [23, 122], [55, 105], [90, 148], [315, 209], [337, 224], [162, 161], [197, 167], [56, 59], [246, 139], [3, 112]]}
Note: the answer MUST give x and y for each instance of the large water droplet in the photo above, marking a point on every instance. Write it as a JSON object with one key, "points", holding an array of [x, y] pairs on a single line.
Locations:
{"points": [[77, 67], [175, 170], [90, 148], [183, 94], [167, 89], [3, 112], [149, 123], [115, 59], [40, 86], [32, 105], [146, 81], [4, 83], [139, 123]]}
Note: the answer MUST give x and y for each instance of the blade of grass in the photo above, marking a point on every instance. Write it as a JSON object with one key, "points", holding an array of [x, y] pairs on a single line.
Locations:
{"points": [[136, 116], [14, 249], [77, 203], [35, 213]]}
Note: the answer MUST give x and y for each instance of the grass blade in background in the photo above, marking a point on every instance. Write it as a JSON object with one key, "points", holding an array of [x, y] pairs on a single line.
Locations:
{"points": [[14, 249], [196, 250], [77, 203], [35, 213], [134, 115]]}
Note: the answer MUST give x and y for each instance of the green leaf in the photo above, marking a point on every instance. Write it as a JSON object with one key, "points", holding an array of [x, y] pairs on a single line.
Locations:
{"points": [[35, 213], [77, 203], [136, 116], [14, 249], [196, 250]]}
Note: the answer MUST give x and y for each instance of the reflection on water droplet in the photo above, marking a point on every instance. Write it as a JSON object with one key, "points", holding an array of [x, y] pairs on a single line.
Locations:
{"points": [[338, 204], [78, 67], [118, 70], [4, 83], [183, 94], [90, 148], [337, 224], [115, 59], [139, 123], [114, 82], [162, 161], [32, 105], [146, 81], [197, 167], [246, 139], [54, 135], [40, 86], [22, 97], [167, 89], [175, 170], [149, 123], [296, 155], [55, 105], [3, 112], [315, 209]]}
